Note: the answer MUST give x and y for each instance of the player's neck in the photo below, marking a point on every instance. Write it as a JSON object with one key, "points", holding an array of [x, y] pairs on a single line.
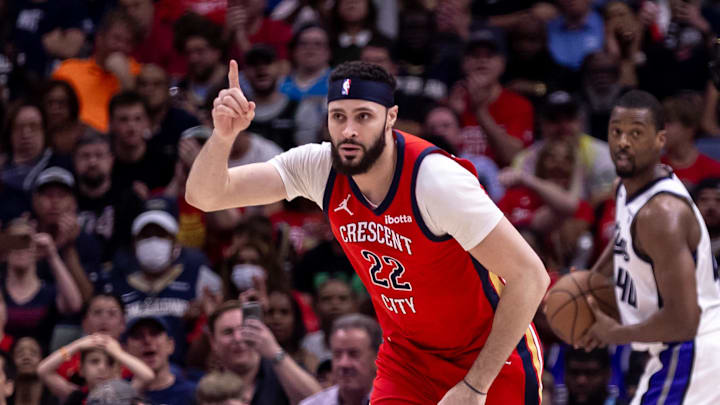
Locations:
{"points": [[633, 184], [375, 183]]}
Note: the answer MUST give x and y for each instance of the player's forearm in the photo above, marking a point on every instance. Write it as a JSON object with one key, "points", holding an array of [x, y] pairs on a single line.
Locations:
{"points": [[296, 382], [666, 325], [515, 310], [208, 179]]}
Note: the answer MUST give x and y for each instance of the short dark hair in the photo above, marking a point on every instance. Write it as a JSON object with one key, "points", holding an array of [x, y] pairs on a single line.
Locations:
{"points": [[92, 299], [195, 25], [639, 99], [301, 30], [226, 306], [363, 71], [121, 18], [600, 355], [73, 102], [125, 99], [91, 137], [685, 108], [337, 25], [8, 366], [360, 321]]}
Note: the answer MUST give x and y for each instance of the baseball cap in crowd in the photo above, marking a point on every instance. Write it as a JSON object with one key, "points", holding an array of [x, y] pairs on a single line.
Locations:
{"points": [[488, 37], [157, 321], [560, 104], [114, 392], [158, 211], [260, 54], [54, 175]]}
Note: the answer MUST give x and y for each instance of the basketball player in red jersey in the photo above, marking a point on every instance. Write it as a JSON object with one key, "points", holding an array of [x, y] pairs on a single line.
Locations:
{"points": [[453, 283]]}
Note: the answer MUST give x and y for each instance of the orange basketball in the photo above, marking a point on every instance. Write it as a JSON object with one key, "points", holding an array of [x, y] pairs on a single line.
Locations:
{"points": [[566, 306]]}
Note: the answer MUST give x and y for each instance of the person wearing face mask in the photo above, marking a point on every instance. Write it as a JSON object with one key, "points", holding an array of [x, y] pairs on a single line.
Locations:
{"points": [[161, 277]]}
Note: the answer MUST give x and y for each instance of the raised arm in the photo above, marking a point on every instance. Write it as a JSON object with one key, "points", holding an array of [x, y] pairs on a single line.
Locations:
{"points": [[47, 369], [210, 185]]}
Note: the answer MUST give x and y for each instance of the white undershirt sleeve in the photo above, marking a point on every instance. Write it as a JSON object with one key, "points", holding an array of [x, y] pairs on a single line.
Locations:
{"points": [[304, 171], [452, 202]]}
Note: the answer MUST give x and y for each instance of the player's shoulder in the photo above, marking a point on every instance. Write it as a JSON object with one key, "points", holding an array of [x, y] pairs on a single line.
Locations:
{"points": [[665, 213]]}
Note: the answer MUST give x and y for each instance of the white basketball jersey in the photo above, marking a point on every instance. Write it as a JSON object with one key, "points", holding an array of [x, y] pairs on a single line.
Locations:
{"points": [[636, 291]]}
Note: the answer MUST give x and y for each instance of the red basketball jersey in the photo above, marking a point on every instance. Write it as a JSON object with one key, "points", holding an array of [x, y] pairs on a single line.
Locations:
{"points": [[425, 289]]}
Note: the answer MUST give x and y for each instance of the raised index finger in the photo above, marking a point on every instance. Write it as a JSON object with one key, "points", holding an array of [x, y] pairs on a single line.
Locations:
{"points": [[233, 80]]}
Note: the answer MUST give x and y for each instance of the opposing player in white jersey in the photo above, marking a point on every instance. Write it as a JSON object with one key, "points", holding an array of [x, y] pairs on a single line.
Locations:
{"points": [[667, 284]]}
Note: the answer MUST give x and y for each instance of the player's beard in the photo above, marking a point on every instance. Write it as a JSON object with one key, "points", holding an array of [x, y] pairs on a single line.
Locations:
{"points": [[369, 156], [629, 171]]}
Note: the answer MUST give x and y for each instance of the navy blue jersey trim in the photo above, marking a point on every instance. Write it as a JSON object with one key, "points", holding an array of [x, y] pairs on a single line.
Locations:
{"points": [[532, 388], [393, 186], [328, 190], [629, 198], [490, 294], [413, 198]]}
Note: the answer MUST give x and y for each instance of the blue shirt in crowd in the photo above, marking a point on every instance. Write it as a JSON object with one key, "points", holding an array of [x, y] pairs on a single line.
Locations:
{"points": [[569, 46]]}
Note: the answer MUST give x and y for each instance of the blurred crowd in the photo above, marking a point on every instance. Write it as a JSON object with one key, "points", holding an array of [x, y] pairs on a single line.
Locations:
{"points": [[113, 286]]}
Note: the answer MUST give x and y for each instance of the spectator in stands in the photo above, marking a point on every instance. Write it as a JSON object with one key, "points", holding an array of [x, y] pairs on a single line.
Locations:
{"points": [[129, 131], [441, 121], [310, 74], [286, 122], [46, 31], [199, 40], [324, 261], [167, 121], [105, 210], [497, 122], [161, 278], [155, 37], [352, 26], [246, 25], [100, 358], [221, 388], [33, 304], [683, 114], [109, 70], [6, 341], [26, 143], [354, 341], [512, 14], [147, 339], [62, 109], [334, 299], [587, 375], [531, 70], [103, 314], [284, 318], [594, 172], [252, 148], [55, 208], [707, 198], [575, 33], [29, 389], [15, 202], [623, 40], [7, 377], [601, 87], [541, 202], [247, 348]]}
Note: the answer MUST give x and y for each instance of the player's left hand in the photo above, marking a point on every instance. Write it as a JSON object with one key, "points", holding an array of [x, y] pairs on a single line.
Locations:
{"points": [[462, 394], [602, 332]]}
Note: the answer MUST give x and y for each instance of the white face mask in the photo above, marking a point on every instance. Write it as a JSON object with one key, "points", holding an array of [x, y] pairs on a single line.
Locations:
{"points": [[154, 254]]}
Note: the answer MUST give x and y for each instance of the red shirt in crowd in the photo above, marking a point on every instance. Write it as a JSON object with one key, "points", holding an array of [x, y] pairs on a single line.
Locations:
{"points": [[703, 167], [519, 205], [157, 48], [510, 110]]}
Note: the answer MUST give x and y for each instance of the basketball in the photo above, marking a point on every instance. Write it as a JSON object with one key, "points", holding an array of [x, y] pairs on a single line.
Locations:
{"points": [[566, 307]]}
